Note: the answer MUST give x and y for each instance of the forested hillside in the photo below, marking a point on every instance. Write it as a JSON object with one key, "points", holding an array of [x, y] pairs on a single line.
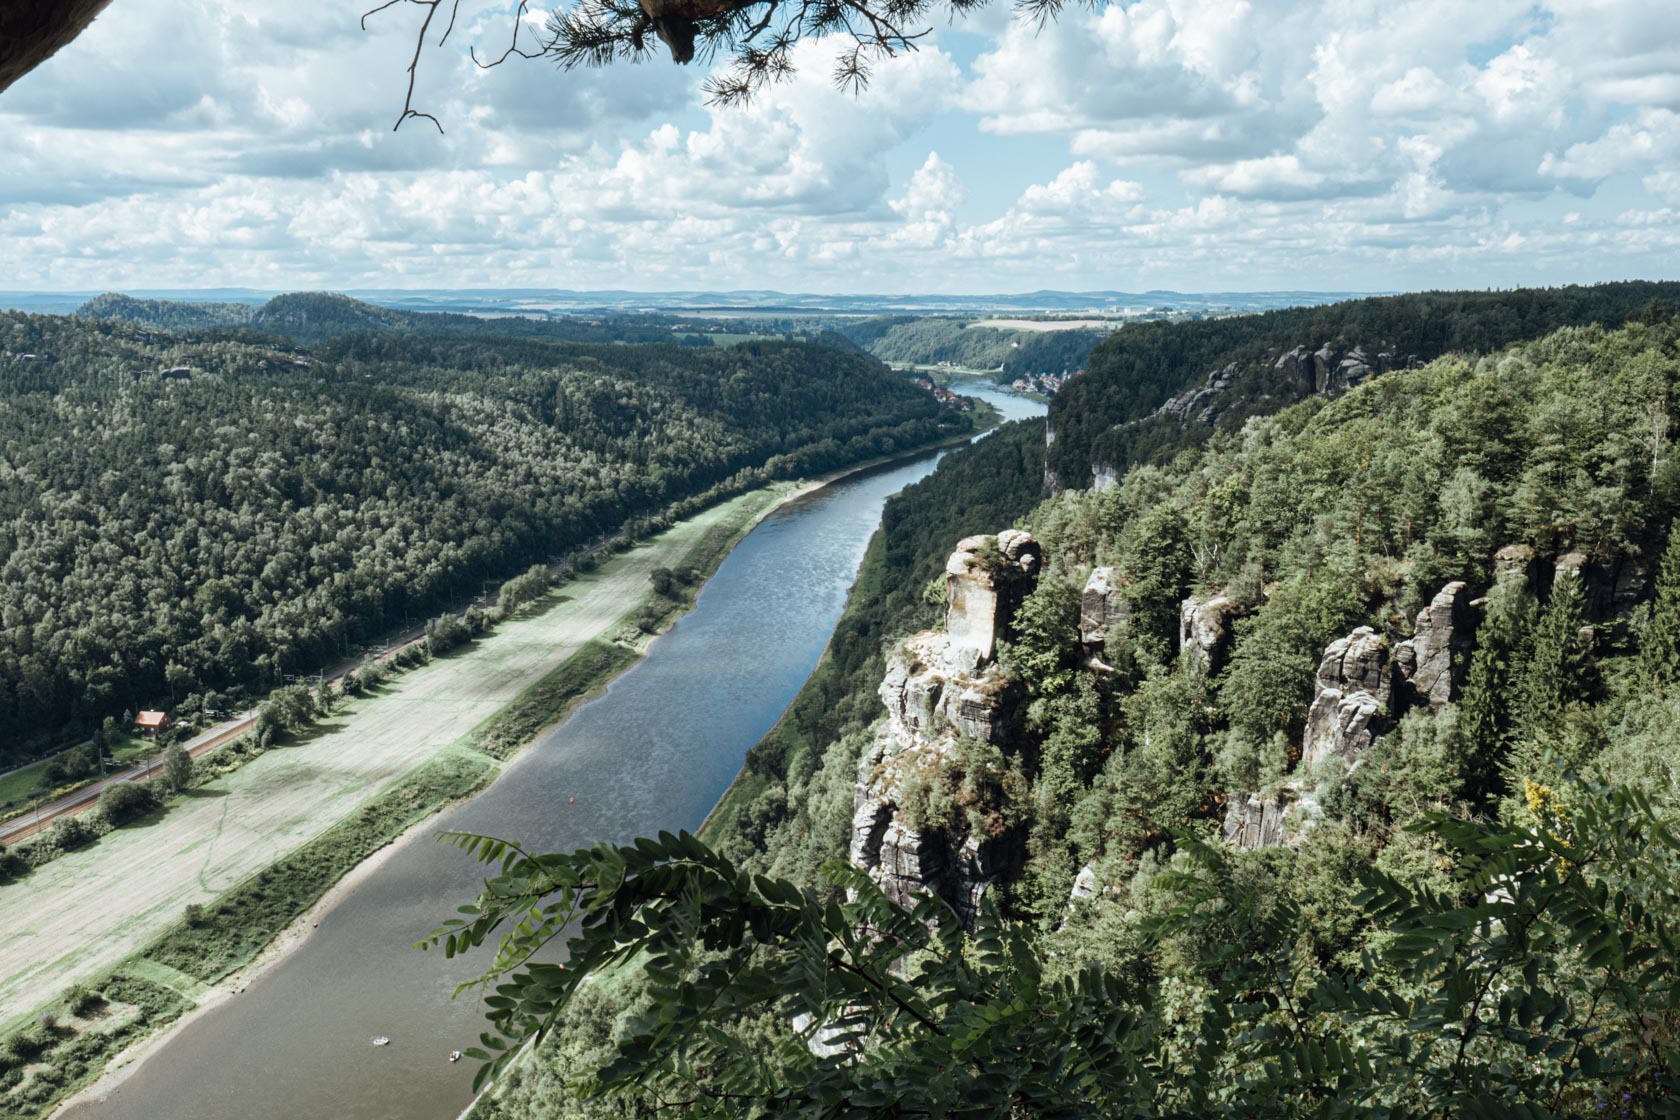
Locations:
{"points": [[313, 316], [1108, 418], [180, 520], [1453, 590], [930, 340]]}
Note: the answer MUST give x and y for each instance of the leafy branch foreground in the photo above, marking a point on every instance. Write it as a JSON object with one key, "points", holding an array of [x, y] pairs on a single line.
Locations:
{"points": [[1543, 984]]}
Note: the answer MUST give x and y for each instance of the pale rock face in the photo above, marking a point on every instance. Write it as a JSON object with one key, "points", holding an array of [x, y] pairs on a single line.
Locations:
{"points": [[1204, 629], [1103, 476], [1102, 608], [1354, 688], [980, 602], [939, 688], [1436, 658], [1253, 821], [1085, 883], [1339, 726], [933, 687]]}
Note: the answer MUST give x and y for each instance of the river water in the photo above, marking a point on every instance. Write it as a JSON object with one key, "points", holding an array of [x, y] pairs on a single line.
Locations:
{"points": [[654, 752]]}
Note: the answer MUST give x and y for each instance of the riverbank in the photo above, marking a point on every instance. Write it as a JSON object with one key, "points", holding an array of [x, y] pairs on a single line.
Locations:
{"points": [[545, 698], [79, 919]]}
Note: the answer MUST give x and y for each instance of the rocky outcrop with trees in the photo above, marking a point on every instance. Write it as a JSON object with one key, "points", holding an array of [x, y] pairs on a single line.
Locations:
{"points": [[920, 823]]}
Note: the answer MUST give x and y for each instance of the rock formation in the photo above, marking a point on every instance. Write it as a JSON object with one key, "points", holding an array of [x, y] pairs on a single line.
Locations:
{"points": [[1254, 821], [1518, 562], [1362, 688], [1204, 631], [1102, 608], [1201, 403], [1613, 587], [1353, 691], [1328, 371], [1436, 658], [939, 688]]}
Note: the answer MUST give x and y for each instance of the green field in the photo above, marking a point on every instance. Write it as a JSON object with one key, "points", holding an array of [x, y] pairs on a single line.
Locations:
{"points": [[73, 919]]}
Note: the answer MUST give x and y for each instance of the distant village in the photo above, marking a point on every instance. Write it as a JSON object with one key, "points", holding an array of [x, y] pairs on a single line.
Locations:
{"points": [[1045, 384], [945, 396]]}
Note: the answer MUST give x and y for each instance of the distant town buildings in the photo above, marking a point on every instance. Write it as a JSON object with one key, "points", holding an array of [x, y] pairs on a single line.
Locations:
{"points": [[1045, 384], [945, 396]]}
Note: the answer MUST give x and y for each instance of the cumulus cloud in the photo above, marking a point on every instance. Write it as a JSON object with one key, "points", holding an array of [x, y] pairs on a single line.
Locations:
{"points": [[1342, 144]]}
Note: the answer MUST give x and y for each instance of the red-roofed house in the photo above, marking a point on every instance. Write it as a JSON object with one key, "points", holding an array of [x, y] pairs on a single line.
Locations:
{"points": [[152, 721]]}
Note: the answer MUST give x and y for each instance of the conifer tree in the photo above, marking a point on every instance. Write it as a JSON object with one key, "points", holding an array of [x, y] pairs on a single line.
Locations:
{"points": [[1660, 647], [1556, 677], [1161, 566], [1483, 713]]}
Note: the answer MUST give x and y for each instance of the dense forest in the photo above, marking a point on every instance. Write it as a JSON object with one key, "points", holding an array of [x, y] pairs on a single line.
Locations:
{"points": [[1107, 417], [1469, 912], [930, 340], [184, 520], [312, 316]]}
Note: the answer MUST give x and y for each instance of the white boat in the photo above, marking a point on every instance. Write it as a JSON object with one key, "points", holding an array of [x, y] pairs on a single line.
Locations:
{"points": [[381, 1040]]}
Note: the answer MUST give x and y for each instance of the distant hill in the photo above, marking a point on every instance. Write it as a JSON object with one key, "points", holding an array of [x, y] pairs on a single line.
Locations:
{"points": [[1153, 389], [315, 316], [1010, 353], [186, 518], [167, 315]]}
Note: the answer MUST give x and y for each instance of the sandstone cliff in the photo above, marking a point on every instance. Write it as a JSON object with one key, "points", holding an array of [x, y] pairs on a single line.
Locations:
{"points": [[940, 688], [1362, 688]]}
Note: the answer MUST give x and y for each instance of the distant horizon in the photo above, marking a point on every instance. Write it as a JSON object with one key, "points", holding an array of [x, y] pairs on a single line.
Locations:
{"points": [[703, 302]]}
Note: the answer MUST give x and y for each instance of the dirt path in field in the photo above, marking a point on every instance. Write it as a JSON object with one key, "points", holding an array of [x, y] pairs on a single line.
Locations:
{"points": [[83, 912]]}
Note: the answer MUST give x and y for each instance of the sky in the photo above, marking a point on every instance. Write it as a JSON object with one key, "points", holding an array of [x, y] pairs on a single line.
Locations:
{"points": [[1197, 145]]}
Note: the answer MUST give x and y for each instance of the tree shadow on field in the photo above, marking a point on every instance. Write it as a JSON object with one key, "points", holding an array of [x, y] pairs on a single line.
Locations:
{"points": [[202, 792], [309, 735], [538, 606]]}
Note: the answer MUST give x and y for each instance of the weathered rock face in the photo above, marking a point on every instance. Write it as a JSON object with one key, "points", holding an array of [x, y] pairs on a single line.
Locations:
{"points": [[1204, 630], [939, 688], [1328, 371], [1354, 688], [1613, 587], [986, 579], [1202, 403], [1298, 364], [1436, 658], [935, 686], [1335, 371], [1253, 821], [1103, 610], [1362, 689], [1052, 484], [1518, 562]]}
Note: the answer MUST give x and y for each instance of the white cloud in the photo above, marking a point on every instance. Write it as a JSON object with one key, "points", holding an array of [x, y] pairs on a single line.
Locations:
{"points": [[1192, 143]]}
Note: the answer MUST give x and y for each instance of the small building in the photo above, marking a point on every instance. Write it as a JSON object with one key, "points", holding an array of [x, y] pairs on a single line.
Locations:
{"points": [[151, 722]]}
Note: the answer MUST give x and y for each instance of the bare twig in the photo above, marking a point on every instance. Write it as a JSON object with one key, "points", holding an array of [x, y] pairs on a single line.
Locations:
{"points": [[431, 6]]}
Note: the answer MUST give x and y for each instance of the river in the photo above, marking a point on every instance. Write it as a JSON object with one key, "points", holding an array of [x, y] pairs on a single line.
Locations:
{"points": [[654, 752]]}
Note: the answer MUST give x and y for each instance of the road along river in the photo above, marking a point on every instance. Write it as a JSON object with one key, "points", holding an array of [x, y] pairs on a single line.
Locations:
{"points": [[655, 752]]}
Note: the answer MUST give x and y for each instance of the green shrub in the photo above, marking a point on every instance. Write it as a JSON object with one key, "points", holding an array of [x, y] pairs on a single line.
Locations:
{"points": [[125, 801]]}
